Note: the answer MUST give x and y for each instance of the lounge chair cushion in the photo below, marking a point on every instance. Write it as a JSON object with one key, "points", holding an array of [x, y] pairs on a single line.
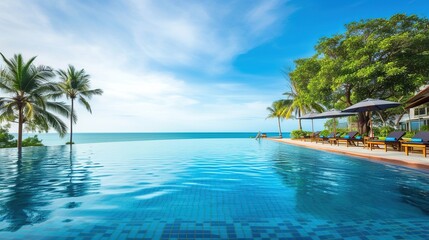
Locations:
{"points": [[347, 137], [358, 137], [390, 139], [416, 140]]}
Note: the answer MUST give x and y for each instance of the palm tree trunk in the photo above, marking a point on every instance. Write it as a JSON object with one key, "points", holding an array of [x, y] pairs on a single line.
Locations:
{"points": [[71, 122], [280, 128], [299, 120], [20, 123]]}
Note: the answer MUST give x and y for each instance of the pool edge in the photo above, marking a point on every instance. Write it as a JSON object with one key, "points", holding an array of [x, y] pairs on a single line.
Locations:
{"points": [[344, 151]]}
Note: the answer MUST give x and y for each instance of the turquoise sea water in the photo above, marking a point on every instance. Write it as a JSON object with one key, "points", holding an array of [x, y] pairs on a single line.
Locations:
{"points": [[207, 188], [52, 139]]}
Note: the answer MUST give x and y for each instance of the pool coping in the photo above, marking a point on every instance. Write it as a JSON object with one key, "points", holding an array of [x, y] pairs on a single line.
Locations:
{"points": [[376, 155]]}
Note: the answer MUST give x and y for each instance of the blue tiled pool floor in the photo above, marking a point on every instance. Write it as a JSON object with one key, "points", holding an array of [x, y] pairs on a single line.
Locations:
{"points": [[232, 229], [207, 189]]}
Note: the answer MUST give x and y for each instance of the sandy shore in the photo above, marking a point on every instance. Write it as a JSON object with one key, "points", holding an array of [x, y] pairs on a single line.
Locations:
{"points": [[414, 160]]}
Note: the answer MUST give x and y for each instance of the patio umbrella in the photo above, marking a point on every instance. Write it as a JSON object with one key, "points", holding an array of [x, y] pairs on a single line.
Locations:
{"points": [[334, 114], [370, 105], [311, 115]]}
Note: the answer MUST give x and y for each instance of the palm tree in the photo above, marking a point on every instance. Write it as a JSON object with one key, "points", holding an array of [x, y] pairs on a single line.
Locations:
{"points": [[29, 87], [75, 85], [276, 111], [299, 103]]}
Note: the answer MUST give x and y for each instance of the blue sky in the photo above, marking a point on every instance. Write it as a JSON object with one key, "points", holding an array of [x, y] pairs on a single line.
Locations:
{"points": [[182, 65]]}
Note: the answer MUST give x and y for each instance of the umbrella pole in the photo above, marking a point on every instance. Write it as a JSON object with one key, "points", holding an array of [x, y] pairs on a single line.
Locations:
{"points": [[371, 133], [312, 126], [335, 127]]}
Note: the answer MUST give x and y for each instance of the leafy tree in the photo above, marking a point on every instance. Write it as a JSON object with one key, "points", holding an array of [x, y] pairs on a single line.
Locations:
{"points": [[276, 111], [75, 84], [330, 124], [377, 58], [392, 116], [28, 87], [6, 139], [299, 99]]}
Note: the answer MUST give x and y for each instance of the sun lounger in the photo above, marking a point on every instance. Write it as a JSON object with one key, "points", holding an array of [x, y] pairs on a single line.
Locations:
{"points": [[333, 140], [348, 139], [418, 141], [393, 139], [303, 138], [311, 137], [314, 136], [356, 140], [323, 139]]}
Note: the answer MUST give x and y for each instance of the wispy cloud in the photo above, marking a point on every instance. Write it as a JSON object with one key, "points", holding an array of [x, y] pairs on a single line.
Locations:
{"points": [[204, 34], [139, 53]]}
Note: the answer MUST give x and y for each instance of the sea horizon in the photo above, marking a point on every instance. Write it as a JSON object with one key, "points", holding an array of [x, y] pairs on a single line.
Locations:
{"points": [[53, 139]]}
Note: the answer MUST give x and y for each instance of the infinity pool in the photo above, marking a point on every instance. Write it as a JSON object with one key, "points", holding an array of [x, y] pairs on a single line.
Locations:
{"points": [[207, 188]]}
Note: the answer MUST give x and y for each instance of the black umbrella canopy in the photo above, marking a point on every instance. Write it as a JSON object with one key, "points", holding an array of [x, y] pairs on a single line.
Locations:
{"points": [[370, 104], [333, 114], [310, 115]]}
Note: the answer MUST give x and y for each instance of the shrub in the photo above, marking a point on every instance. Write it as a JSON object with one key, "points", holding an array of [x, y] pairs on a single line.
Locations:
{"points": [[298, 133], [376, 131], [324, 133], [409, 134], [384, 131], [6, 139], [424, 128], [32, 141], [342, 131]]}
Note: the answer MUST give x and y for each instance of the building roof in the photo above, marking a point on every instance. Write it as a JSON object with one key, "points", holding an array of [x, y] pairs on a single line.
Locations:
{"points": [[419, 99]]}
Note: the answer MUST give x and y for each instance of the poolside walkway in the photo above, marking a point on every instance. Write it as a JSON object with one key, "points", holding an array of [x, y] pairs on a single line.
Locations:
{"points": [[414, 160]]}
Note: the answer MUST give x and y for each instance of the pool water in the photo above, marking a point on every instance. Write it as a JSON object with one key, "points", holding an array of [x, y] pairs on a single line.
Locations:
{"points": [[207, 188]]}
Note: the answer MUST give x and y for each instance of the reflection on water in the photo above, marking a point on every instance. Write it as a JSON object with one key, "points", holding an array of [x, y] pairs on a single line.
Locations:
{"points": [[204, 180], [337, 187], [31, 183], [415, 196]]}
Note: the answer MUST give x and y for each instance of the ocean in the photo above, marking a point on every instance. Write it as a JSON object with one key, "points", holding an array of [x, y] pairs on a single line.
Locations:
{"points": [[52, 139]]}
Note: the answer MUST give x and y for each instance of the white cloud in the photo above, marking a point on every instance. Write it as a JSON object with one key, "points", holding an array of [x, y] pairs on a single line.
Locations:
{"points": [[133, 49], [206, 35]]}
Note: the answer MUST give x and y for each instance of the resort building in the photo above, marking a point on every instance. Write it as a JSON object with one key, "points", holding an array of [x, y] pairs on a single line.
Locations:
{"points": [[418, 111]]}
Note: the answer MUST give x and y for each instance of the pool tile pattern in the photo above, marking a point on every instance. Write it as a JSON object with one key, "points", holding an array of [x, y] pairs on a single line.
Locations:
{"points": [[240, 229], [267, 191]]}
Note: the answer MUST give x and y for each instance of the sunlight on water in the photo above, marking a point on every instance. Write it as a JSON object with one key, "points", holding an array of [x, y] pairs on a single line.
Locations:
{"points": [[200, 180]]}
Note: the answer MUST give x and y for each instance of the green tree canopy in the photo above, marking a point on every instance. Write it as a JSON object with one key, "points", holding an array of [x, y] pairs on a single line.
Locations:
{"points": [[376, 58], [299, 97]]}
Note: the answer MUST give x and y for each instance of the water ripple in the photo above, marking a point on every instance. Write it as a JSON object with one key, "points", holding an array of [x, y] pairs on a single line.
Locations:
{"points": [[201, 179]]}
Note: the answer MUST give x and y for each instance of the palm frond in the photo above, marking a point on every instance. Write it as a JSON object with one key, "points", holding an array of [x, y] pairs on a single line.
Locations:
{"points": [[54, 95], [59, 107], [90, 93], [84, 102], [75, 84], [7, 111], [28, 110], [48, 119]]}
